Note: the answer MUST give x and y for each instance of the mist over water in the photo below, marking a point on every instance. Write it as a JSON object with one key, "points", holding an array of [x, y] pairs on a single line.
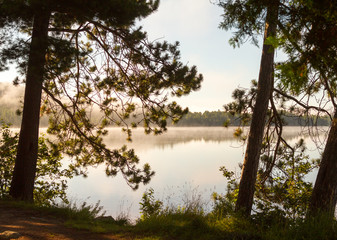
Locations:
{"points": [[186, 161], [10, 95]]}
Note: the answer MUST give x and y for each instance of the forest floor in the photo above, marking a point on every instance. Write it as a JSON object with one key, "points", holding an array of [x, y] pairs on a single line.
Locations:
{"points": [[35, 225]]}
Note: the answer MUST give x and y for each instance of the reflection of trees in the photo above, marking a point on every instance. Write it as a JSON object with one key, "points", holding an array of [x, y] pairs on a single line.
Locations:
{"points": [[183, 135]]}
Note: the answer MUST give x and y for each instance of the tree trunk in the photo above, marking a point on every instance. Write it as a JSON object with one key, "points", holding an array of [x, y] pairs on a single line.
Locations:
{"points": [[324, 195], [22, 185], [265, 85]]}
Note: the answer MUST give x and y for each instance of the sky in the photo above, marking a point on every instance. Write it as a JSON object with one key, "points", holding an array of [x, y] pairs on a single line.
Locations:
{"points": [[194, 23]]}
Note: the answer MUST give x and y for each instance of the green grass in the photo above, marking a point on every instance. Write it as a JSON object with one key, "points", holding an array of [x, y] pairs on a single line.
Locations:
{"points": [[189, 225], [177, 225], [71, 211], [185, 223]]}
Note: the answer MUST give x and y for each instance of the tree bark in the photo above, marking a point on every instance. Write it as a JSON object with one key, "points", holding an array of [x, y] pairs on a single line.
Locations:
{"points": [[22, 185], [324, 195], [265, 85]]}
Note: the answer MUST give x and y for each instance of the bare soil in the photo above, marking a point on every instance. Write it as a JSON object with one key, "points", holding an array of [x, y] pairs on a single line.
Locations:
{"points": [[35, 225]]}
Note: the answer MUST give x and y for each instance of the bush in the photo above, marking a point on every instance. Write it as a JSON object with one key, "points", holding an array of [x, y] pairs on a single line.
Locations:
{"points": [[50, 183]]}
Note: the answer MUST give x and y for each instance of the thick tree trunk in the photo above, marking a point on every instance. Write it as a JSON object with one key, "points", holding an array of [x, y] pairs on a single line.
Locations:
{"points": [[265, 85], [324, 195], [25, 165]]}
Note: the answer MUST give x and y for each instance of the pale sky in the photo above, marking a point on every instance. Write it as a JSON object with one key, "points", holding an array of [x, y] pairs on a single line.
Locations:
{"points": [[194, 23]]}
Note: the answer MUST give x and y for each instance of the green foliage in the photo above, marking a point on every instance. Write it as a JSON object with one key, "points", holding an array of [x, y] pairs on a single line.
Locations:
{"points": [[320, 227], [50, 184], [190, 202], [89, 217], [185, 221], [310, 69], [274, 41], [285, 188], [8, 144], [282, 189], [242, 106], [149, 206], [293, 76], [83, 212], [176, 225], [246, 17], [223, 206]]}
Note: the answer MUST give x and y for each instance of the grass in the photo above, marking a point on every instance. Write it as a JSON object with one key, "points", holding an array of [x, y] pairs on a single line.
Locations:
{"points": [[188, 223]]}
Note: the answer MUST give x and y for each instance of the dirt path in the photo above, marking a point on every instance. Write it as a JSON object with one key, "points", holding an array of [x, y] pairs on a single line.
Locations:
{"points": [[33, 225]]}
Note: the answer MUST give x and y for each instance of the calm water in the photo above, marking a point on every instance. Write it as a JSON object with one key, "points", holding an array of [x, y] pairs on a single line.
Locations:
{"points": [[186, 162]]}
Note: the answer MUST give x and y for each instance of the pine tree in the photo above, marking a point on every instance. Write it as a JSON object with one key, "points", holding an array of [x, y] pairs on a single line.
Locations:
{"points": [[80, 58], [306, 80], [248, 17], [309, 39], [316, 50]]}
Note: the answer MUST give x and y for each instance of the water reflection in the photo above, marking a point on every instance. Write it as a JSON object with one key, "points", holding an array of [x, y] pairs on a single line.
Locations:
{"points": [[180, 135], [182, 156]]}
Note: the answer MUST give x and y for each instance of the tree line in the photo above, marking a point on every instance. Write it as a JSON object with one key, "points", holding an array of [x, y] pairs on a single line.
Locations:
{"points": [[222, 118], [11, 115]]}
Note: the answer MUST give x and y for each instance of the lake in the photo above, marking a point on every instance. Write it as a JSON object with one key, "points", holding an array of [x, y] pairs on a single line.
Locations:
{"points": [[186, 161]]}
